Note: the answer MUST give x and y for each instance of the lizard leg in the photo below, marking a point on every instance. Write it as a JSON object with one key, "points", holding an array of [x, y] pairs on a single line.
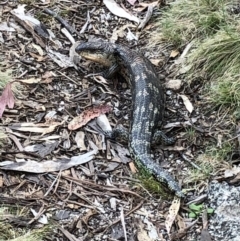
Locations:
{"points": [[122, 135], [118, 134], [108, 73], [160, 137]]}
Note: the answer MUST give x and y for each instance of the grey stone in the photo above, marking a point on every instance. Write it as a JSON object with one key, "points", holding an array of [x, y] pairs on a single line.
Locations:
{"points": [[224, 225]]}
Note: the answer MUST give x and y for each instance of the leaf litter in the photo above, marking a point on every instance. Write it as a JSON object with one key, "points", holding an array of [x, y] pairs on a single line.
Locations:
{"points": [[84, 176]]}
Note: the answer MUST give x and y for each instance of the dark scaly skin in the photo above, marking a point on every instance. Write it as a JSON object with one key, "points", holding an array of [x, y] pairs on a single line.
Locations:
{"points": [[147, 102]]}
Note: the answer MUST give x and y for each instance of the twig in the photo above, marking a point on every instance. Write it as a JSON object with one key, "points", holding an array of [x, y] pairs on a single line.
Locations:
{"points": [[39, 214], [67, 77], [119, 219], [189, 161], [61, 20], [147, 17]]}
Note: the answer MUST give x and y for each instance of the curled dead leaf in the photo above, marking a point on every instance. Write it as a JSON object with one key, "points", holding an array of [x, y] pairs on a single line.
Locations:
{"points": [[6, 99], [88, 115], [114, 8], [173, 211], [187, 103]]}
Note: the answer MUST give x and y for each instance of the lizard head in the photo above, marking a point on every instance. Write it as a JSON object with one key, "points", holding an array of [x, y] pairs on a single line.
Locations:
{"points": [[98, 51]]}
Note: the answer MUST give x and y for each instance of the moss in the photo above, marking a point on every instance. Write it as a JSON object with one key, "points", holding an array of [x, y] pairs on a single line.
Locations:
{"points": [[152, 185]]}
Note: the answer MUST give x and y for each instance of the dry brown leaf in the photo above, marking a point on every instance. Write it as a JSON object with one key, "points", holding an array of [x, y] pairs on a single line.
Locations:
{"points": [[155, 61], [47, 166], [173, 211], [6, 99], [62, 60], [79, 139], [34, 105], [50, 129], [187, 103], [31, 24], [30, 80], [34, 128], [1, 181], [143, 6], [142, 234], [47, 77], [89, 214], [174, 54], [88, 115], [132, 1], [42, 149], [38, 48], [114, 8], [232, 172], [133, 167], [181, 224], [120, 32], [38, 57]]}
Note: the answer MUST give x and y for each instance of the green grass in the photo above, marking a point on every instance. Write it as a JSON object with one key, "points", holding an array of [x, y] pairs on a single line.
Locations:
{"points": [[226, 91], [14, 233], [190, 134], [185, 20], [152, 185], [5, 77], [215, 60], [219, 54], [210, 162]]}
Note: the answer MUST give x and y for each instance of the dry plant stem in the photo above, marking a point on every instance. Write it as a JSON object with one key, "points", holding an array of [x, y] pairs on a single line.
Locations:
{"points": [[127, 214], [68, 35], [67, 77], [51, 187], [82, 205], [60, 19], [177, 235], [68, 235], [198, 200], [83, 198], [189, 161], [21, 75], [123, 223], [18, 186], [58, 180], [40, 212], [84, 183], [86, 24], [147, 17], [17, 142]]}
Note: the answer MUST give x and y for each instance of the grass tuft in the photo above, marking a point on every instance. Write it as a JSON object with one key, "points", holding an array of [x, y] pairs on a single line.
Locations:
{"points": [[14, 233], [5, 77], [217, 59], [210, 163], [185, 20], [218, 55]]}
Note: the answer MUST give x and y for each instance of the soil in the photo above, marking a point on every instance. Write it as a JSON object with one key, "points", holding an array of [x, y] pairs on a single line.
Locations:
{"points": [[102, 199]]}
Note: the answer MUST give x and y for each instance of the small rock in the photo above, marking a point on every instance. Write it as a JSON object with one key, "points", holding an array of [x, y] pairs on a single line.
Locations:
{"points": [[225, 223], [174, 84], [168, 92]]}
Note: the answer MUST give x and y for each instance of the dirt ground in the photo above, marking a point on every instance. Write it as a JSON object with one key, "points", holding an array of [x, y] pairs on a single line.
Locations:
{"points": [[97, 196]]}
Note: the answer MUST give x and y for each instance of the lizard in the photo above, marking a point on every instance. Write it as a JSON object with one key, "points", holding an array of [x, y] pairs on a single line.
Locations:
{"points": [[147, 103]]}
